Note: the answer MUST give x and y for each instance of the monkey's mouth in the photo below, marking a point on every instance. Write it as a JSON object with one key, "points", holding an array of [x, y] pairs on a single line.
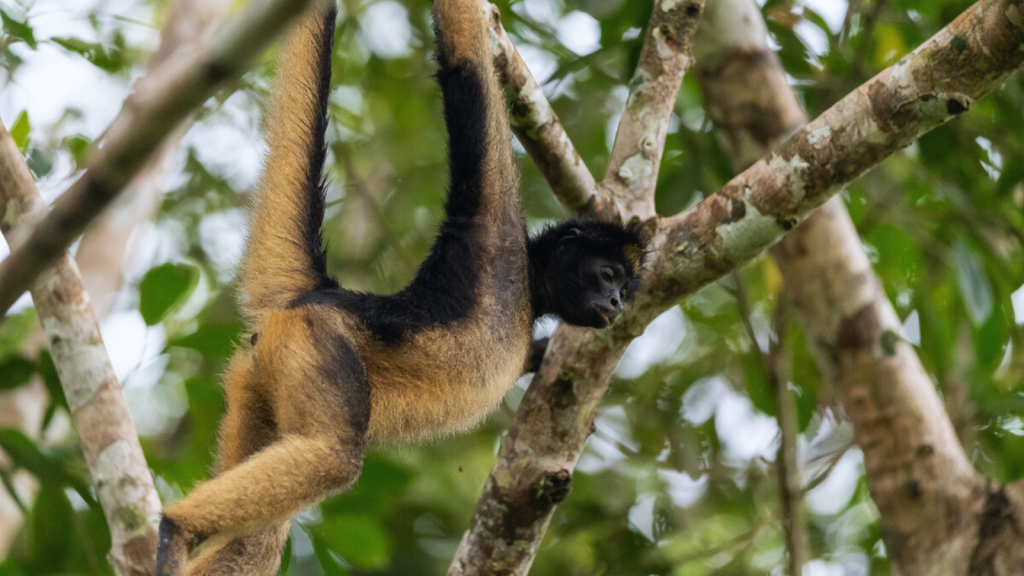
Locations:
{"points": [[608, 315]]}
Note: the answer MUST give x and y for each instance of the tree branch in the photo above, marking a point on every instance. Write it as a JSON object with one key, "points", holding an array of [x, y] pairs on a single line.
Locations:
{"points": [[539, 450], [538, 128], [939, 80], [640, 140], [104, 249], [148, 116], [111, 446]]}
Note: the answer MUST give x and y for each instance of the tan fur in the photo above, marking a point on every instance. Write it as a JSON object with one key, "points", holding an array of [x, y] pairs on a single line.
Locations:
{"points": [[288, 439], [272, 270]]}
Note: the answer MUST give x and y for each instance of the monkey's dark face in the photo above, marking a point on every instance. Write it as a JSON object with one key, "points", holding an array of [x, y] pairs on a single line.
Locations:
{"points": [[590, 275]]}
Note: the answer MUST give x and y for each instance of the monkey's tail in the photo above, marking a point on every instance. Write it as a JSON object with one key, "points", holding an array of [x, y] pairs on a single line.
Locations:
{"points": [[284, 256]]}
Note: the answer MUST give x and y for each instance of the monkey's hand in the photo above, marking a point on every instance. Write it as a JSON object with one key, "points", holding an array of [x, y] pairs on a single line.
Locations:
{"points": [[533, 359]]}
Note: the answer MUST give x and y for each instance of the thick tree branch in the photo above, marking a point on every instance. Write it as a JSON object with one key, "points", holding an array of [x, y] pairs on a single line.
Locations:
{"points": [[843, 309], [538, 128], [967, 59], [640, 140], [120, 476], [148, 116], [539, 451], [942, 78]]}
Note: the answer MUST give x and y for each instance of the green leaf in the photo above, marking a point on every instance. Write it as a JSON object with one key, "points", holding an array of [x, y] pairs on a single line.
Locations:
{"points": [[165, 288], [20, 30], [79, 145], [24, 452], [39, 162], [13, 331], [110, 59], [15, 372], [213, 340], [359, 539], [328, 564], [20, 129], [974, 285]]}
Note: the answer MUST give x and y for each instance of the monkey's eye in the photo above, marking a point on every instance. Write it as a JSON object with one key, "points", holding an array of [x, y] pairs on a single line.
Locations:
{"points": [[607, 273]]}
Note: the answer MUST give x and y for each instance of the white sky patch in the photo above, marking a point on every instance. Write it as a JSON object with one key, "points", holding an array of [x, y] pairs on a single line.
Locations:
{"points": [[746, 433], [911, 329], [386, 30], [538, 61], [701, 399], [832, 11], [812, 36], [823, 568], [542, 11], [683, 490], [229, 142], [641, 515], [130, 343], [579, 32], [834, 493], [657, 344], [1017, 299], [222, 235]]}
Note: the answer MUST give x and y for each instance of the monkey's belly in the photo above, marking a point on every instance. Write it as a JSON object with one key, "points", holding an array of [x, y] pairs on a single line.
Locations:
{"points": [[434, 388]]}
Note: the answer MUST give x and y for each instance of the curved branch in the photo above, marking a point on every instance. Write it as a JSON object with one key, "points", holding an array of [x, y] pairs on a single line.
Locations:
{"points": [[148, 116], [120, 475]]}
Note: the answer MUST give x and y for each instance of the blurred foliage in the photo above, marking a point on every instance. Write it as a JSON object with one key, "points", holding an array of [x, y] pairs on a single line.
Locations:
{"points": [[679, 477]]}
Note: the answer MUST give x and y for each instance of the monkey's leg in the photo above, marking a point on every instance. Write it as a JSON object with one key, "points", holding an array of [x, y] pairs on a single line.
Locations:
{"points": [[247, 428], [321, 405], [268, 488]]}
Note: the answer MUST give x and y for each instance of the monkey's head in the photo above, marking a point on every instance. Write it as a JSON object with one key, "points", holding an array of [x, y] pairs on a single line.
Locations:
{"points": [[584, 271]]}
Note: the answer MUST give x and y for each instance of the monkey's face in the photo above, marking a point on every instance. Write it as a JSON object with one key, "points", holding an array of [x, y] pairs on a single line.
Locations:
{"points": [[590, 280]]}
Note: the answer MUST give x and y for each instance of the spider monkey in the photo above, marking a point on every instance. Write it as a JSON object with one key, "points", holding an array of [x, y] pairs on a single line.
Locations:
{"points": [[328, 369]]}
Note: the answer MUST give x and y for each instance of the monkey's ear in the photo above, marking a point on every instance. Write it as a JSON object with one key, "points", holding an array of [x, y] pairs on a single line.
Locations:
{"points": [[634, 254]]}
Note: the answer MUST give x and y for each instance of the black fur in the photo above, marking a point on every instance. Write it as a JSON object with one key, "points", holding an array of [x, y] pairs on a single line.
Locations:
{"points": [[563, 259], [344, 368], [446, 285], [313, 214]]}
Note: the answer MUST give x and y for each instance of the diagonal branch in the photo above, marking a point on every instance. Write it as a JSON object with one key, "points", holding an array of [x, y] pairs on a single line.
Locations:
{"points": [[538, 128], [942, 78], [111, 446], [104, 249], [148, 116]]}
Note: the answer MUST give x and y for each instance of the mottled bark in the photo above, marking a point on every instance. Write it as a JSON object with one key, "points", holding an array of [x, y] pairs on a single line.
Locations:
{"points": [[537, 126], [120, 476], [640, 140], [101, 254], [829, 279], [941, 79], [157, 107]]}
